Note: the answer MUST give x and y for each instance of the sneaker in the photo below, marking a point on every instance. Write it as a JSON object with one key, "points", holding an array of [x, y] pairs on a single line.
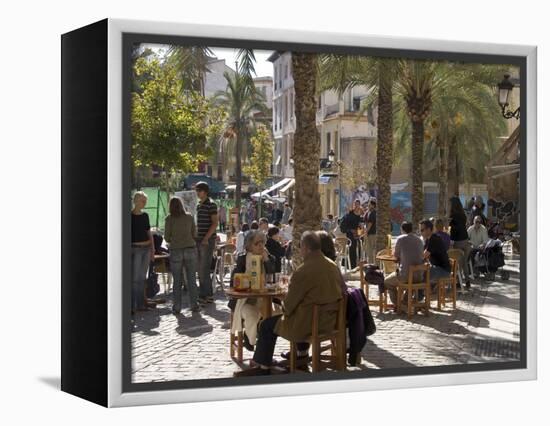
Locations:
{"points": [[196, 308], [209, 299]]}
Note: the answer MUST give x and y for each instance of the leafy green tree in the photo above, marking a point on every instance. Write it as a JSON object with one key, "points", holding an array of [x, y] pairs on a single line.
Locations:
{"points": [[259, 168], [169, 129]]}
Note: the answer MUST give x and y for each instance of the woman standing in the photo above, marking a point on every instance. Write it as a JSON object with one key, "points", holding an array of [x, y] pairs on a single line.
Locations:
{"points": [[143, 251], [274, 246], [180, 233], [459, 235]]}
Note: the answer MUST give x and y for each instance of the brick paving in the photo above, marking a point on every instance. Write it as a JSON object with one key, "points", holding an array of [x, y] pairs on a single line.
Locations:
{"points": [[483, 328]]}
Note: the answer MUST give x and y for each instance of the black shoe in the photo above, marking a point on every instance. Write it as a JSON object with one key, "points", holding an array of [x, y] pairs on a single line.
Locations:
{"points": [[468, 285], [286, 355], [246, 343], [254, 371]]}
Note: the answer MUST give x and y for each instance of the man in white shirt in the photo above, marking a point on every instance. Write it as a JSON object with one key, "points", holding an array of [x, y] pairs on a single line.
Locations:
{"points": [[477, 233]]}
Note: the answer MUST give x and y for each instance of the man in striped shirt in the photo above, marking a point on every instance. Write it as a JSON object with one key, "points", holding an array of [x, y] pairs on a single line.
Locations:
{"points": [[207, 222]]}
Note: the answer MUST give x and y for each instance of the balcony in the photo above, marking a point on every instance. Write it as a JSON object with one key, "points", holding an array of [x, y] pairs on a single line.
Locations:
{"points": [[332, 109]]}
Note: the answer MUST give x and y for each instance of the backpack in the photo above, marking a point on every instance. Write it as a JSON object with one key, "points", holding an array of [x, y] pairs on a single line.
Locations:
{"points": [[374, 275]]}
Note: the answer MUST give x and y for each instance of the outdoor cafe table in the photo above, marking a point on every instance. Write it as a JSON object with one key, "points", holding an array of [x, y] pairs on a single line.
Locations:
{"points": [[265, 297], [386, 258]]}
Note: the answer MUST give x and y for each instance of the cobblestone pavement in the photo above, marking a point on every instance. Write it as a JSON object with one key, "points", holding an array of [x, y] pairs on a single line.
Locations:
{"points": [[483, 328]]}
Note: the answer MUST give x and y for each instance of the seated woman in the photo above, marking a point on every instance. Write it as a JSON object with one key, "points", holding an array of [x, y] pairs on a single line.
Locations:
{"points": [[274, 246], [246, 310]]}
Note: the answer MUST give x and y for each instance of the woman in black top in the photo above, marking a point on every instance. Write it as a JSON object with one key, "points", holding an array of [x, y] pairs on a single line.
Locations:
{"points": [[143, 251], [459, 235], [274, 247]]}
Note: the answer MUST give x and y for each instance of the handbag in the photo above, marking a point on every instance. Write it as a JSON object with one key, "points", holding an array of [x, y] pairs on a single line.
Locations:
{"points": [[152, 286]]}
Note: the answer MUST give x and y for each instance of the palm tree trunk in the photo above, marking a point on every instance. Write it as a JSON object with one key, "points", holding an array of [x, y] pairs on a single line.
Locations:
{"points": [[384, 157], [453, 184], [442, 146], [238, 169], [307, 205], [417, 171]]}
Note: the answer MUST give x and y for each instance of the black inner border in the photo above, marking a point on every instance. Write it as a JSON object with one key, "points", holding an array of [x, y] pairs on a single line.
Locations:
{"points": [[129, 39]]}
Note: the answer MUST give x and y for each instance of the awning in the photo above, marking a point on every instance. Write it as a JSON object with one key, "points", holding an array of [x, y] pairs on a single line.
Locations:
{"points": [[265, 192], [233, 187], [503, 170], [288, 186]]}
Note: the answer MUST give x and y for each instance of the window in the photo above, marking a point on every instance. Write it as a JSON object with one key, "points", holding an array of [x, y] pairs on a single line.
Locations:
{"points": [[286, 71], [356, 103], [336, 143], [291, 105], [285, 108], [328, 143], [319, 104]]}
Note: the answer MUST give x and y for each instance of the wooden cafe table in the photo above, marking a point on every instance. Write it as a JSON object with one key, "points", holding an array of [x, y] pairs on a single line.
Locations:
{"points": [[265, 297]]}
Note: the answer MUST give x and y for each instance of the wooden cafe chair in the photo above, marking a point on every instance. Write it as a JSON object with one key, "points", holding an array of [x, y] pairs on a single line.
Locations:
{"points": [[336, 339], [412, 288]]}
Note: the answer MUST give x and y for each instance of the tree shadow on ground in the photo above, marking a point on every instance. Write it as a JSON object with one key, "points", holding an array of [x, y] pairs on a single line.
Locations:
{"points": [[380, 357]]}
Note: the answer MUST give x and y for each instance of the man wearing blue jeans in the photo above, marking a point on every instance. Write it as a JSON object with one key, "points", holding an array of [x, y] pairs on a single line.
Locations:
{"points": [[435, 252], [207, 222]]}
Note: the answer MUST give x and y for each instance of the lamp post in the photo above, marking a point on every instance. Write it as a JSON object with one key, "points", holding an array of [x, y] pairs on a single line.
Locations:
{"points": [[331, 158], [505, 87]]}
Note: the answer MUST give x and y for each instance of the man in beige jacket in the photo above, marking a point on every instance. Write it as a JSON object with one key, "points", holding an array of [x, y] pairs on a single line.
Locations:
{"points": [[316, 281]]}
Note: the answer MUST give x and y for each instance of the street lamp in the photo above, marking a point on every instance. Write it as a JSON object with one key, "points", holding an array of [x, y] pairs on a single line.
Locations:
{"points": [[331, 156], [505, 87]]}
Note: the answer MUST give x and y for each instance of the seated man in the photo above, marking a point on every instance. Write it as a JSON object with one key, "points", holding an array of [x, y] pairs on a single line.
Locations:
{"points": [[316, 281], [409, 252], [435, 252], [478, 235]]}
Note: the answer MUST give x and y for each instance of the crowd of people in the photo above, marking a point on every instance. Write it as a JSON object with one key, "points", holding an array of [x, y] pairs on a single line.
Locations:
{"points": [[318, 280]]}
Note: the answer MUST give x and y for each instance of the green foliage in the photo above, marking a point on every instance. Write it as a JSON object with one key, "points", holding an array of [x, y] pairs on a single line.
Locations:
{"points": [[464, 107], [262, 155], [170, 128]]}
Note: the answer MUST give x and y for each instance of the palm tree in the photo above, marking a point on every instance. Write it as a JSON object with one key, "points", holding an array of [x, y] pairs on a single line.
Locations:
{"points": [[307, 206], [417, 81], [192, 64], [240, 100], [340, 72], [461, 129]]}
